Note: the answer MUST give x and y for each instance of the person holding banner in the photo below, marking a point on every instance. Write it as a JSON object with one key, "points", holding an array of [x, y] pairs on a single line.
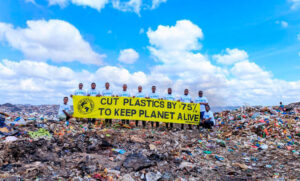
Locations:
{"points": [[79, 91], [107, 92], [125, 93], [140, 94], [65, 111], [203, 102], [186, 98], [208, 118], [169, 97], [95, 93], [154, 95]]}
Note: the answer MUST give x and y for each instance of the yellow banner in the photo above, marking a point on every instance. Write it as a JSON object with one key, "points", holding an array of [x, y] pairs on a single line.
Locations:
{"points": [[136, 109]]}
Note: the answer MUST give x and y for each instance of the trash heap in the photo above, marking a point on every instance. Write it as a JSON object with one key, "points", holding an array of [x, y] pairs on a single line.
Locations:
{"points": [[250, 143]]}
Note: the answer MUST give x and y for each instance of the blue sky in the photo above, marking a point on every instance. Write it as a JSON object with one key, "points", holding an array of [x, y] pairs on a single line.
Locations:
{"points": [[264, 34]]}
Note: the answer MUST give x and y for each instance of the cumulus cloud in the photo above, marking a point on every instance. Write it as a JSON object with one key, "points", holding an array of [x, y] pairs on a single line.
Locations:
{"points": [[231, 56], [129, 6], [95, 4], [128, 56], [125, 6], [41, 83], [54, 39], [283, 24], [179, 66], [244, 82], [182, 37]]}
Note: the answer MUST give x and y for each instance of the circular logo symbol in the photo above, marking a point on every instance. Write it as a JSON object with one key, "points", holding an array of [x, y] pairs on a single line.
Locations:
{"points": [[85, 106]]}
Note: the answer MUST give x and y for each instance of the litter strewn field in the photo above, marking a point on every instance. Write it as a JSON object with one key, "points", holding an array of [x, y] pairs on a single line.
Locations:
{"points": [[251, 143]]}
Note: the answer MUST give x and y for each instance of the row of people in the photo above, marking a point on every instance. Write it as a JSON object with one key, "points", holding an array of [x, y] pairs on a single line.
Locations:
{"points": [[153, 95]]}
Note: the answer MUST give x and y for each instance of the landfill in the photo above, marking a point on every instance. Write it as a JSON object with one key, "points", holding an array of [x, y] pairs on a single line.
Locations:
{"points": [[248, 143]]}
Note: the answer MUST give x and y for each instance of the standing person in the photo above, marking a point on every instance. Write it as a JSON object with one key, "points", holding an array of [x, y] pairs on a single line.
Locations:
{"points": [[65, 111], [80, 91], [208, 118], [125, 93], [140, 94], [203, 102], [154, 95], [107, 92], [94, 93], [169, 97], [186, 98]]}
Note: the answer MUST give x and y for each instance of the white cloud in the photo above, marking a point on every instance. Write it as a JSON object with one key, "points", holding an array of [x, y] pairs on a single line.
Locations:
{"points": [[125, 6], [156, 3], [41, 83], [180, 66], [129, 6], [95, 4], [231, 56], [245, 82], [54, 39], [128, 56], [181, 37], [284, 24], [295, 3], [61, 3]]}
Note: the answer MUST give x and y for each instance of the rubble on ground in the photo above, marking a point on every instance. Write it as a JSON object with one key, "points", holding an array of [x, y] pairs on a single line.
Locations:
{"points": [[250, 143]]}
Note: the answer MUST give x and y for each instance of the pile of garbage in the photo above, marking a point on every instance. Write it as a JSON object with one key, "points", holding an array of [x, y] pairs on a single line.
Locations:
{"points": [[250, 143]]}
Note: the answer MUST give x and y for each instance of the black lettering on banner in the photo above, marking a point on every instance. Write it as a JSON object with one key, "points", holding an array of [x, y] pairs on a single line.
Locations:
{"points": [[141, 112], [197, 118], [179, 116], [109, 101], [160, 115], [155, 105], [167, 115], [162, 104], [125, 101], [116, 100], [107, 112], [184, 105], [130, 102], [169, 105], [149, 102], [133, 112], [117, 112], [122, 112], [102, 101], [153, 115], [137, 103], [143, 102], [128, 112], [172, 114], [174, 104], [101, 109]]}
